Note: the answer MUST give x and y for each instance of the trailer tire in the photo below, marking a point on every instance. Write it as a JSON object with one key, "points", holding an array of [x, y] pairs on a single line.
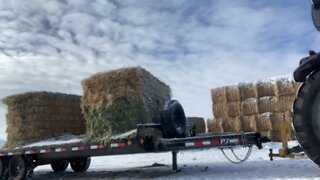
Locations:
{"points": [[19, 168], [173, 120], [59, 166], [3, 169], [306, 117], [80, 165]]}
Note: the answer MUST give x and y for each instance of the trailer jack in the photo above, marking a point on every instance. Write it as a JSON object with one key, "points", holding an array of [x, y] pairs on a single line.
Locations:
{"points": [[285, 151], [174, 161]]}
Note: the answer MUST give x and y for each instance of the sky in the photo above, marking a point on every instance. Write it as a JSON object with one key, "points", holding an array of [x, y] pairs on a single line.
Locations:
{"points": [[193, 46]]}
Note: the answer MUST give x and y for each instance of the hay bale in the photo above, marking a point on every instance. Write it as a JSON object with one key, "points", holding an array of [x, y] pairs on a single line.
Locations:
{"points": [[287, 116], [275, 118], [234, 109], [248, 90], [116, 101], [268, 104], [249, 106], [198, 122], [233, 93], [296, 86], [35, 116], [266, 134], [276, 136], [231, 124], [286, 102], [218, 95], [215, 125], [285, 87], [263, 122], [220, 110], [248, 123], [267, 88]]}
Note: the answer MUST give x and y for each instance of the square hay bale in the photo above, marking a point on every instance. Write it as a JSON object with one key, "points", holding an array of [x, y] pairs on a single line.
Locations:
{"points": [[267, 88], [234, 109], [218, 95], [215, 125], [285, 87], [199, 122], [220, 110], [276, 119], [266, 134], [248, 123], [248, 90], [268, 104], [286, 102], [35, 116], [249, 106], [233, 93], [296, 86], [115, 102], [276, 136], [231, 124], [264, 122]]}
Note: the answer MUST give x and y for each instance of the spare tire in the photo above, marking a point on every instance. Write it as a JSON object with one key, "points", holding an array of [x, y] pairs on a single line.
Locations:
{"points": [[173, 120], [306, 117]]}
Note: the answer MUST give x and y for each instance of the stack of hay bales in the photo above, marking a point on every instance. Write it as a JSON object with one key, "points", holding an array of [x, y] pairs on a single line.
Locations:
{"points": [[115, 102], [39, 115], [259, 106]]}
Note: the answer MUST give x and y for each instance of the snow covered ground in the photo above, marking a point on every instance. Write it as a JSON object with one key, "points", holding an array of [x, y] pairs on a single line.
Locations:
{"points": [[203, 164]]}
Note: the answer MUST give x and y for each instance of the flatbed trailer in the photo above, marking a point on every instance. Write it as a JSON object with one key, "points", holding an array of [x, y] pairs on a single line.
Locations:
{"points": [[19, 163], [171, 135]]}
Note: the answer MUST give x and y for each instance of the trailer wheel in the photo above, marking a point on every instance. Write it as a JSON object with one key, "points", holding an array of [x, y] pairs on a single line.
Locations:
{"points": [[80, 165], [19, 168], [59, 166], [306, 118], [173, 120], [3, 170]]}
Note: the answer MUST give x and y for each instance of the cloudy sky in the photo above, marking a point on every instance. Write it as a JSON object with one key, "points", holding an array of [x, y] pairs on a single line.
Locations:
{"points": [[191, 45]]}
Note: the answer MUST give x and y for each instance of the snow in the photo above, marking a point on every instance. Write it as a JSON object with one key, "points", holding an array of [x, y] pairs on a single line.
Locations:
{"points": [[70, 139], [195, 164], [250, 100], [65, 139]]}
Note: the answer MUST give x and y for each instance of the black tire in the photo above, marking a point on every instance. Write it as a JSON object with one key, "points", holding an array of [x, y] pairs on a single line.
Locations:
{"points": [[2, 169], [19, 168], [173, 120], [80, 165], [306, 117], [59, 166]]}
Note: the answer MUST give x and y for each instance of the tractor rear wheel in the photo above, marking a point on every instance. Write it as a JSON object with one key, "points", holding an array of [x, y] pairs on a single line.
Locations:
{"points": [[306, 117]]}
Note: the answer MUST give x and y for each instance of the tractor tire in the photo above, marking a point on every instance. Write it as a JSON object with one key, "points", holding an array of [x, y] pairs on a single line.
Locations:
{"points": [[173, 120], [59, 166], [306, 116], [80, 165]]}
